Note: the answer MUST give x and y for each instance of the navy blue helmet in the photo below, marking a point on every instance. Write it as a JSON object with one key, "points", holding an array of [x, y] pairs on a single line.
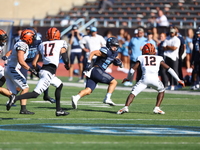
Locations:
{"points": [[112, 41]]}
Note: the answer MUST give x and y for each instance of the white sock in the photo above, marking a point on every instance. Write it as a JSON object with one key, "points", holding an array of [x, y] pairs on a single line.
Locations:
{"points": [[126, 107], [77, 97], [157, 107], [108, 95]]}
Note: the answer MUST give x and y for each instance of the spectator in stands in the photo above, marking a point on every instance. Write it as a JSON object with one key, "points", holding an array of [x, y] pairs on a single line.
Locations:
{"points": [[195, 61], [149, 40], [123, 50], [135, 51], [189, 48], [76, 51], [16, 36], [85, 54], [104, 3], [180, 53], [162, 71], [155, 35], [162, 20], [171, 52], [135, 33], [92, 42]]}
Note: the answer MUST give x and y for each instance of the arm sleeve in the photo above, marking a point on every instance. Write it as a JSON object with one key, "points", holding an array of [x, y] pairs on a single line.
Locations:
{"points": [[65, 58], [173, 73]]}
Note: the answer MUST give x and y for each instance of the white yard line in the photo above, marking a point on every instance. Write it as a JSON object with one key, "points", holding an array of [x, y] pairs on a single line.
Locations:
{"points": [[125, 88]]}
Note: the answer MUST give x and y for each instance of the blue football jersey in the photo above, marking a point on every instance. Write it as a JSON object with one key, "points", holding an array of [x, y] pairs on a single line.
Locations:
{"points": [[104, 62]]}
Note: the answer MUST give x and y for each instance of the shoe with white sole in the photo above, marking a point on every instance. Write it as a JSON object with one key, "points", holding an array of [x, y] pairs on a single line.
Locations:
{"points": [[157, 110], [109, 102], [123, 110], [74, 102]]}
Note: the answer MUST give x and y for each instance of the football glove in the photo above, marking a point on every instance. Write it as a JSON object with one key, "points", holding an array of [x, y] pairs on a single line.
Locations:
{"points": [[4, 58], [67, 66], [33, 71], [117, 62], [88, 66]]}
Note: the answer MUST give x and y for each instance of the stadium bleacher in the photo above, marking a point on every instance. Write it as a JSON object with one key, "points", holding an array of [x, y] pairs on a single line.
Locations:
{"points": [[178, 12]]}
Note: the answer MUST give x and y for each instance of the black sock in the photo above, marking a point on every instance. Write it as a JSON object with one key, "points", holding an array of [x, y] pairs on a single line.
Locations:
{"points": [[27, 96], [57, 96], [46, 95], [23, 107]]}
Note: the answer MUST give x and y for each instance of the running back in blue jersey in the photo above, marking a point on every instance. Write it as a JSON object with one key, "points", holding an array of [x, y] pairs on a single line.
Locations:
{"points": [[33, 48], [104, 62]]}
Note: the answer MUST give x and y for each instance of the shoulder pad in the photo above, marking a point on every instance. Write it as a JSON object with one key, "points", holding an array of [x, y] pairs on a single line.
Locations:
{"points": [[104, 50], [21, 46]]}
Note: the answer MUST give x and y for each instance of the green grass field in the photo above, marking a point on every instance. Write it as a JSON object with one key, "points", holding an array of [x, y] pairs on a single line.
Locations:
{"points": [[96, 126]]}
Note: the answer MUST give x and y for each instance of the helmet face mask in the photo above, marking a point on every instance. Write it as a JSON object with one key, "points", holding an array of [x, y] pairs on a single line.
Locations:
{"points": [[28, 36], [112, 43], [3, 37], [53, 34], [148, 49]]}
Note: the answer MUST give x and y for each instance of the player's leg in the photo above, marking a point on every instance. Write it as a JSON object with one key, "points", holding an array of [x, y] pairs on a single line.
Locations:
{"points": [[137, 88], [5, 92], [110, 90], [46, 96], [90, 86], [103, 77], [58, 84], [16, 79], [72, 58], [80, 65], [2, 81], [161, 91]]}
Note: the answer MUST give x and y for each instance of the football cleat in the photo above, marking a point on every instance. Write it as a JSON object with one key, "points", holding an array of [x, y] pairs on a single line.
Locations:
{"points": [[26, 112], [123, 110], [51, 100], [157, 110], [109, 102], [74, 102], [10, 102], [62, 113]]}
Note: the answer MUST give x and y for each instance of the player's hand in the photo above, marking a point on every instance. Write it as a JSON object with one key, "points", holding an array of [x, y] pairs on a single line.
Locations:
{"points": [[67, 66], [88, 66], [33, 71], [182, 83], [4, 58], [125, 79]]}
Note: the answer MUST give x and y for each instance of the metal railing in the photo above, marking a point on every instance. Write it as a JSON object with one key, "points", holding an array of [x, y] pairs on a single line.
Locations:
{"points": [[100, 22]]}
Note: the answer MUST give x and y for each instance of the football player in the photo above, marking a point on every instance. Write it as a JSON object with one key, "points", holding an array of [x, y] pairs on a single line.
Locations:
{"points": [[150, 64], [50, 51], [15, 81], [33, 48], [3, 40], [96, 73]]}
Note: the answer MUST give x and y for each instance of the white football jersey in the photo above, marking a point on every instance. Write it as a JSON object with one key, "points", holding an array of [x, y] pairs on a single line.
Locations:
{"points": [[12, 59], [150, 65], [1, 49], [50, 51]]}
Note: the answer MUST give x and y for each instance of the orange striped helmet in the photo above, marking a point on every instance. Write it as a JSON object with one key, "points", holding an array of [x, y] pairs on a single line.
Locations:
{"points": [[28, 36], [3, 37], [53, 34], [148, 49]]}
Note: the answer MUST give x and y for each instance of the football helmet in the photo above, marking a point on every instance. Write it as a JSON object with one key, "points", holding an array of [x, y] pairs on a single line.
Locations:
{"points": [[3, 37], [112, 41], [53, 34], [28, 36], [148, 49]]}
